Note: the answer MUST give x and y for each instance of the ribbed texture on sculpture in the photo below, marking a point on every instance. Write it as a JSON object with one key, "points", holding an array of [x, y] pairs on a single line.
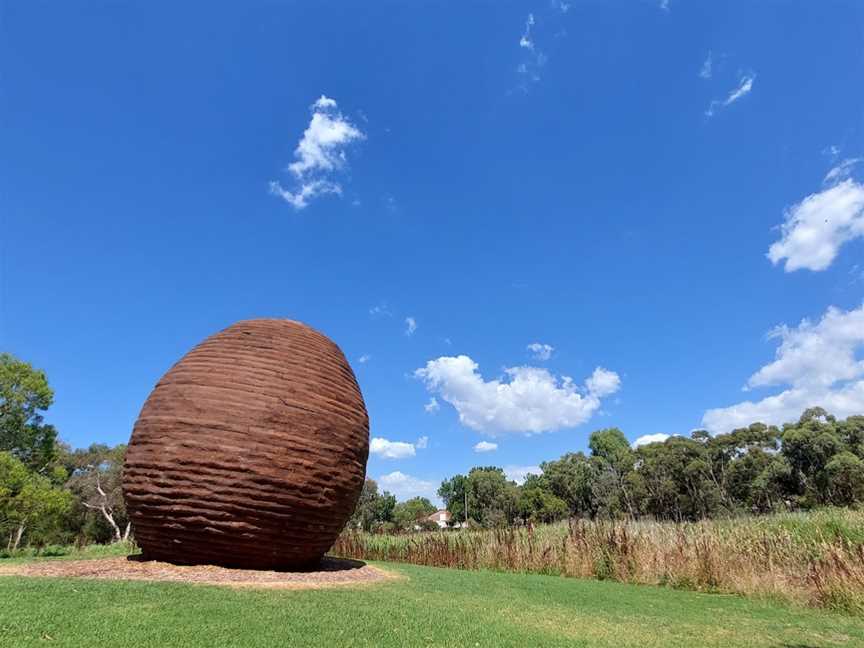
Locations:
{"points": [[250, 452]]}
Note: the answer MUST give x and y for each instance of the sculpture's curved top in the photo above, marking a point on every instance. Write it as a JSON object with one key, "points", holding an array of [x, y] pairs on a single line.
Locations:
{"points": [[251, 451]]}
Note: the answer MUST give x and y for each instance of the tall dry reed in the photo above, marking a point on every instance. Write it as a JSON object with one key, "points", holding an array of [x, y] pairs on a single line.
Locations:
{"points": [[810, 558]]}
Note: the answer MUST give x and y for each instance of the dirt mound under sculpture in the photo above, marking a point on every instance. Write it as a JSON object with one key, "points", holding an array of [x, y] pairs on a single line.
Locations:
{"points": [[250, 452]]}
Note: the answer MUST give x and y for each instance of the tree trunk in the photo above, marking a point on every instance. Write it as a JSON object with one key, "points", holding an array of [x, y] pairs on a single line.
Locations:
{"points": [[107, 512], [126, 532], [110, 518], [18, 534]]}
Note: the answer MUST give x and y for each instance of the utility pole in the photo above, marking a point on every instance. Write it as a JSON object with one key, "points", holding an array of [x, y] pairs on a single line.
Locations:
{"points": [[465, 491]]}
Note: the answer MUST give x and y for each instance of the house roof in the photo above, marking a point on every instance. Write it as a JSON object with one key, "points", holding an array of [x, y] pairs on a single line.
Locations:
{"points": [[444, 512]]}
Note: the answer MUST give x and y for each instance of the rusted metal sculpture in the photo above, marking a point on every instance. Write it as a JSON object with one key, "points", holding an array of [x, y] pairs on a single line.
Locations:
{"points": [[250, 452]]}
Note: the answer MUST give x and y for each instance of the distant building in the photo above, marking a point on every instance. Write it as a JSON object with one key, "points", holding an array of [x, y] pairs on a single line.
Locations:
{"points": [[441, 518]]}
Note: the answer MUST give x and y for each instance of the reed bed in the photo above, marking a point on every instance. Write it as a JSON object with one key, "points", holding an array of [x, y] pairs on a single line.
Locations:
{"points": [[814, 558]]}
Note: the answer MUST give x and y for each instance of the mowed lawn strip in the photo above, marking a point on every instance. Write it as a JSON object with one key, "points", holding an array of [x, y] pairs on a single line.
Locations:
{"points": [[429, 607]]}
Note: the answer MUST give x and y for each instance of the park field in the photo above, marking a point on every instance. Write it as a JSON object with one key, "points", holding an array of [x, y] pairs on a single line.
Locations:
{"points": [[423, 606]]}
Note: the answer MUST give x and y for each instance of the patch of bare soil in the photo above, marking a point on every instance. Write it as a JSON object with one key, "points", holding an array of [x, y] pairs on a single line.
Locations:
{"points": [[332, 572]]}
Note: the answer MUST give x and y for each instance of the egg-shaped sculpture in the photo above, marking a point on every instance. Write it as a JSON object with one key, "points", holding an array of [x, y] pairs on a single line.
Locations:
{"points": [[250, 452]]}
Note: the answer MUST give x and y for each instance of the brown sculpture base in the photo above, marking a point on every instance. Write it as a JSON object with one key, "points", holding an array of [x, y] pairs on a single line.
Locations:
{"points": [[332, 572]]}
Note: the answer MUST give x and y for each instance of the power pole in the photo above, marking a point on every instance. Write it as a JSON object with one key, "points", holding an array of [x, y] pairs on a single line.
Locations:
{"points": [[465, 491]]}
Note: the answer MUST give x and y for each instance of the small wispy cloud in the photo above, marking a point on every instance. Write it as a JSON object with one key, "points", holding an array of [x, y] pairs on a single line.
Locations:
{"points": [[526, 40], [832, 151], [540, 351], [528, 70], [422, 443], [410, 325], [707, 68], [319, 155], [664, 5], [390, 203], [485, 446], [542, 29], [432, 406], [363, 359], [842, 171], [744, 87], [380, 310]]}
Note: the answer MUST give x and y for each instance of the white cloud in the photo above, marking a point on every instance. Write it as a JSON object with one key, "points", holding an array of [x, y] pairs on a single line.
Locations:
{"points": [[841, 171], [787, 406], [391, 449], [650, 438], [831, 151], [532, 400], [707, 67], [743, 89], [745, 86], [819, 364], [533, 60], [485, 446], [519, 473], [526, 41], [664, 5], [541, 351], [390, 204], [821, 353], [410, 325], [322, 147], [363, 359], [320, 152], [603, 382], [406, 486], [816, 228], [299, 199], [432, 406], [323, 103], [387, 449], [380, 310]]}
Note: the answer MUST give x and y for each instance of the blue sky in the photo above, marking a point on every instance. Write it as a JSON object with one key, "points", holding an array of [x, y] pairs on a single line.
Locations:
{"points": [[666, 194]]}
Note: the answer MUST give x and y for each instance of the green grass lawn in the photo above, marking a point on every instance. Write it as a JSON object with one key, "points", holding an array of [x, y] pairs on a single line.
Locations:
{"points": [[429, 607], [69, 552]]}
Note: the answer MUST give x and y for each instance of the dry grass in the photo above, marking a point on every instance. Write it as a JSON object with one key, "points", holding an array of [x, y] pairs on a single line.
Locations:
{"points": [[331, 573], [815, 558]]}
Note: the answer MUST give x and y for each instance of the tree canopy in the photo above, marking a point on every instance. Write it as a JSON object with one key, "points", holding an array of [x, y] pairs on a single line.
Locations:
{"points": [[24, 396], [815, 461]]}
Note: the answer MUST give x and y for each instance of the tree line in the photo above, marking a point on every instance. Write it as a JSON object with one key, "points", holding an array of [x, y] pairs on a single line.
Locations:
{"points": [[50, 493], [813, 462]]}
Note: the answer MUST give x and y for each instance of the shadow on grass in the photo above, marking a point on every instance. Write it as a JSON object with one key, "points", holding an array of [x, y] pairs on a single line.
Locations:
{"points": [[326, 564]]}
